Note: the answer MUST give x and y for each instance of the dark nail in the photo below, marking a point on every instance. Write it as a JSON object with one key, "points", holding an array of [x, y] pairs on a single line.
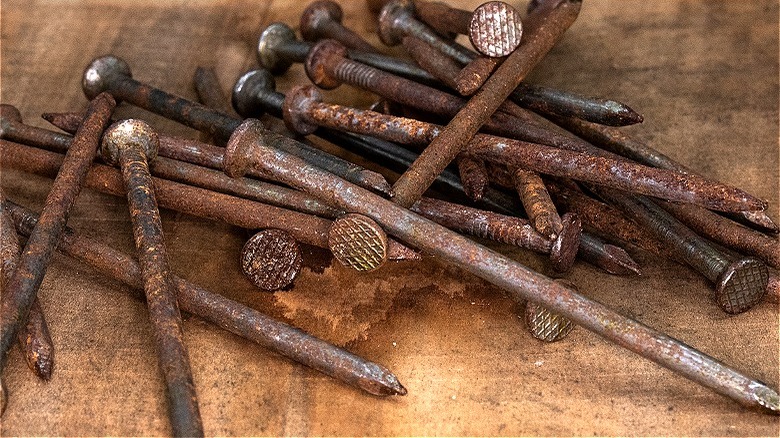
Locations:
{"points": [[618, 142], [610, 258], [12, 128], [278, 48], [304, 111], [519, 281], [397, 20], [113, 74], [358, 242], [506, 229], [431, 60], [739, 284], [209, 91], [232, 316], [184, 151], [322, 19], [132, 144], [239, 212], [537, 203], [34, 338], [23, 286], [474, 176], [271, 259]]}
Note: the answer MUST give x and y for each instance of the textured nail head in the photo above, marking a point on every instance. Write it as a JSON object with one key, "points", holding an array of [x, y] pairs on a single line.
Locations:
{"points": [[271, 259], [295, 107], [131, 131], [495, 29], [390, 17], [566, 245], [545, 325], [742, 285], [323, 52], [247, 88], [99, 73], [316, 16], [274, 36], [358, 242]]}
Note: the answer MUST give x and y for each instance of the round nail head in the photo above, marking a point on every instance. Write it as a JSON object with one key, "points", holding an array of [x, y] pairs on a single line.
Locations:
{"points": [[271, 259], [742, 285], [248, 87], [495, 29], [129, 133], [100, 72], [324, 52], [545, 325], [317, 15], [273, 37], [391, 18], [238, 151], [565, 247], [296, 107], [358, 242]]}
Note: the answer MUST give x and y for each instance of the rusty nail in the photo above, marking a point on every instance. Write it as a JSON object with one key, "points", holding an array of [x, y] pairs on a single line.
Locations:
{"points": [[271, 259], [34, 338], [322, 19], [473, 175], [278, 49], [304, 111], [23, 286], [537, 203], [431, 60], [132, 144], [739, 284], [618, 142], [610, 258], [199, 202], [231, 316], [12, 128], [112, 73], [209, 91], [506, 229], [397, 20], [520, 282], [358, 242], [459, 131], [545, 325]]}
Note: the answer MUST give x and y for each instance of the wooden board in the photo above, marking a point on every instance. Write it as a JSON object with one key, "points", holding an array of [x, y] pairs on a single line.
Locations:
{"points": [[704, 74]]}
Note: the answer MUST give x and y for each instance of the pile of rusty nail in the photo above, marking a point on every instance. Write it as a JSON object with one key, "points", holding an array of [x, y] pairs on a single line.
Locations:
{"points": [[501, 154]]}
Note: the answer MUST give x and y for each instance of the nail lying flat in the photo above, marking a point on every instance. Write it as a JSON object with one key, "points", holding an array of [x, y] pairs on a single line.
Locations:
{"points": [[231, 316], [520, 282]]}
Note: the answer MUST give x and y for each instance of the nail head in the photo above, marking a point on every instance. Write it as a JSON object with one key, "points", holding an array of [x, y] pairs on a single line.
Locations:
{"points": [[271, 259]]}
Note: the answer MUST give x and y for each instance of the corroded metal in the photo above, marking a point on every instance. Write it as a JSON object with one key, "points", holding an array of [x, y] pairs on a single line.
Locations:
{"points": [[610, 258], [304, 111], [34, 338], [322, 19], [131, 144], [537, 203], [209, 91], [495, 29], [23, 286], [12, 128], [739, 284], [113, 74], [271, 259], [431, 60], [506, 229], [358, 242], [473, 175], [231, 316], [522, 283], [199, 202]]}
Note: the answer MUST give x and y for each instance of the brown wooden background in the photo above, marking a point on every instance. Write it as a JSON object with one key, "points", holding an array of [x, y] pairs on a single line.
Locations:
{"points": [[704, 74]]}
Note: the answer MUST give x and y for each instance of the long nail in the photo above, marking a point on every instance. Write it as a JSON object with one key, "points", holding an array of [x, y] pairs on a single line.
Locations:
{"points": [[34, 338], [612, 259], [131, 144], [739, 284], [537, 203], [322, 19], [239, 212], [521, 282], [113, 74], [304, 111], [23, 285], [231, 316], [209, 91]]}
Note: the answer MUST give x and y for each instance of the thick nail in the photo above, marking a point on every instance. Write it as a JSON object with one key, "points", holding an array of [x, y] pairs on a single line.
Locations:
{"points": [[322, 19]]}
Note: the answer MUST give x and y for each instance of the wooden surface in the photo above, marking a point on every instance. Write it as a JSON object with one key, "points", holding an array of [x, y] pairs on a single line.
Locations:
{"points": [[704, 74]]}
